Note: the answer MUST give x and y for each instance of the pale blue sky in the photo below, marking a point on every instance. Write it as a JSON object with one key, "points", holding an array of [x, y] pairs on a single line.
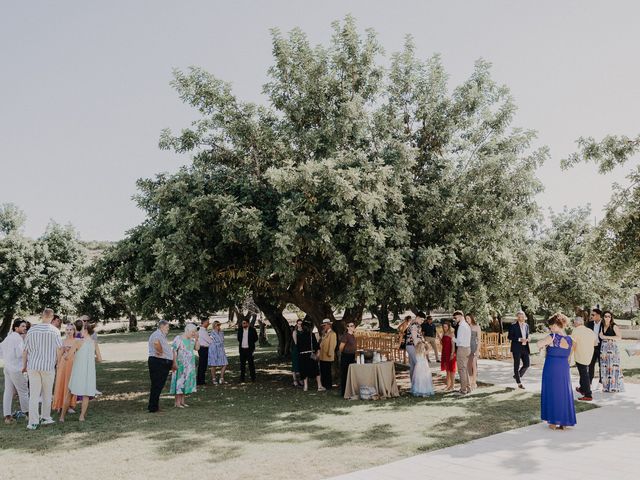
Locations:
{"points": [[84, 86]]}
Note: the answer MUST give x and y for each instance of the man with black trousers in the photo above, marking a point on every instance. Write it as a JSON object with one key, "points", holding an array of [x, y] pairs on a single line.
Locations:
{"points": [[204, 339], [595, 324], [247, 338], [160, 363], [584, 341], [348, 346], [519, 336], [327, 353]]}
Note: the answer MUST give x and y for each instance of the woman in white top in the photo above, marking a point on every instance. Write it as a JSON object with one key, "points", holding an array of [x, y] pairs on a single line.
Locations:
{"points": [[14, 380]]}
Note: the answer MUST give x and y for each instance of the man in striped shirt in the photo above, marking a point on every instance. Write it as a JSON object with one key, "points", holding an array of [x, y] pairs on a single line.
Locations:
{"points": [[42, 350]]}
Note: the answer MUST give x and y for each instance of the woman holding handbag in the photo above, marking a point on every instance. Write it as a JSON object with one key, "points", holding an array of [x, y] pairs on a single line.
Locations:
{"points": [[308, 350]]}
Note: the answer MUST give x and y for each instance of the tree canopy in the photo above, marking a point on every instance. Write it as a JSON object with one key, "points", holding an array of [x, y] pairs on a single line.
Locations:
{"points": [[353, 186], [47, 272], [619, 232], [359, 183]]}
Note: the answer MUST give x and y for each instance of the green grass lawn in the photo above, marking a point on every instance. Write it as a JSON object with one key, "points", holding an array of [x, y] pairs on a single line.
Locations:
{"points": [[265, 430]]}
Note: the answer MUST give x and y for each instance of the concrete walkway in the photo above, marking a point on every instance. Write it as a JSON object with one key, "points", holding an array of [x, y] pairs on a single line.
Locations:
{"points": [[604, 444]]}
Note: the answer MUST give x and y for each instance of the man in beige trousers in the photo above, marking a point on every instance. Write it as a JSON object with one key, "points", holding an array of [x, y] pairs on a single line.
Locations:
{"points": [[463, 349]]}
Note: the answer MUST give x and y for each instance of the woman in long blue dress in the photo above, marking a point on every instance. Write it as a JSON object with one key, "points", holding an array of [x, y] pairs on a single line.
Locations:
{"points": [[556, 401], [217, 354]]}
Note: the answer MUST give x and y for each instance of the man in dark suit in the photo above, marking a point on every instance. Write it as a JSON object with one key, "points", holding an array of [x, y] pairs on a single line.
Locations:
{"points": [[519, 336], [247, 338], [595, 324]]}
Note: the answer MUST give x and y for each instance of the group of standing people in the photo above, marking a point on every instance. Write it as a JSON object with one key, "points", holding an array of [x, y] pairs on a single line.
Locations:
{"points": [[313, 357], [593, 344], [45, 372], [189, 356], [459, 346]]}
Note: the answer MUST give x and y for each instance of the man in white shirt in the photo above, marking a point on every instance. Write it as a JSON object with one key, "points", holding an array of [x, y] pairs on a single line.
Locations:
{"points": [[42, 350], [203, 352], [463, 350], [14, 379]]}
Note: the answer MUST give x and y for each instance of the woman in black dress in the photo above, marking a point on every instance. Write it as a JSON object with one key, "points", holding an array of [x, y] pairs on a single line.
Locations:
{"points": [[308, 349]]}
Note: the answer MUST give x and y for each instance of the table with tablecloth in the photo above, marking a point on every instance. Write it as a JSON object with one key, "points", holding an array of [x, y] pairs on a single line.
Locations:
{"points": [[381, 376]]}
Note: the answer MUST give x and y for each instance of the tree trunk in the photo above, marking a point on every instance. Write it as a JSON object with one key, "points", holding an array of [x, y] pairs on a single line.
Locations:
{"points": [[313, 305], [263, 341], [241, 316], [7, 318], [133, 323], [273, 313], [231, 313], [382, 314], [496, 323], [351, 314]]}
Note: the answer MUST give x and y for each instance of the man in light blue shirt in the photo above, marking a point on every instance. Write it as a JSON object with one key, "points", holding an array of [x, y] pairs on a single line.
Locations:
{"points": [[160, 363]]}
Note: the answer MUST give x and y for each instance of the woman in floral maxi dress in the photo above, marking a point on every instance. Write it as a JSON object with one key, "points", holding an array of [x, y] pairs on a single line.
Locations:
{"points": [[183, 381], [610, 368]]}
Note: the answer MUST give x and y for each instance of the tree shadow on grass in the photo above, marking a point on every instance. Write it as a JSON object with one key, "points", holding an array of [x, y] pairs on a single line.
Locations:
{"points": [[632, 373], [270, 410]]}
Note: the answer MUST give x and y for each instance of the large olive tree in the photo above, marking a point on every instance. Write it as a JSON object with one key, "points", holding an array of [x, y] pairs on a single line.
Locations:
{"points": [[353, 186]]}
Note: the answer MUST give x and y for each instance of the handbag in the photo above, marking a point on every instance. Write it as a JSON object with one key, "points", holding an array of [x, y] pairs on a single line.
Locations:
{"points": [[368, 392]]}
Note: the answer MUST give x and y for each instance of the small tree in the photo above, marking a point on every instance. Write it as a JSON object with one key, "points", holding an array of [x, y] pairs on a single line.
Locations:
{"points": [[19, 276], [63, 275]]}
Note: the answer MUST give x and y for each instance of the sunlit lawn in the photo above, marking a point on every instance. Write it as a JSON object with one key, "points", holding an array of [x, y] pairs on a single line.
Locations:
{"points": [[263, 430]]}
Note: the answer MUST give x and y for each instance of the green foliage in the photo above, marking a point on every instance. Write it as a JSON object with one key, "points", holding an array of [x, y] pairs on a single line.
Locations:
{"points": [[619, 232], [571, 271], [11, 218], [48, 272], [355, 186], [19, 275], [608, 153], [471, 201], [63, 260]]}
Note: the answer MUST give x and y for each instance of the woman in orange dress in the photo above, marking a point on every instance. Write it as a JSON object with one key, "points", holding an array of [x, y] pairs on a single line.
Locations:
{"points": [[63, 370]]}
